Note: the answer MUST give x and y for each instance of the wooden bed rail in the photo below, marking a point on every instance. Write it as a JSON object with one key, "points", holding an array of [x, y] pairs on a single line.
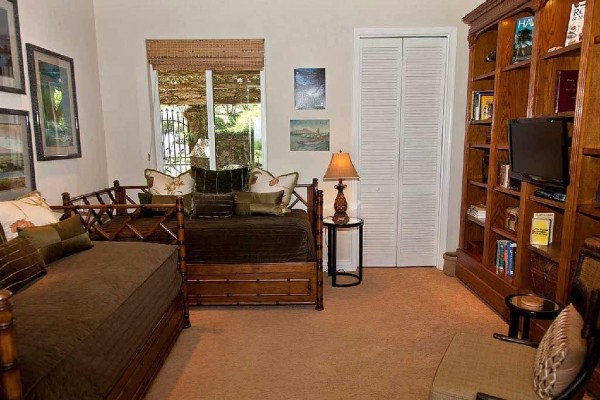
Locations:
{"points": [[10, 376]]}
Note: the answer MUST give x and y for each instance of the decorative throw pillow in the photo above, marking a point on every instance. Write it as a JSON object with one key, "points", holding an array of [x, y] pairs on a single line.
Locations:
{"points": [[226, 181], [213, 205], [29, 210], [250, 203], [19, 264], [58, 240], [560, 354], [147, 198], [262, 181], [161, 183]]}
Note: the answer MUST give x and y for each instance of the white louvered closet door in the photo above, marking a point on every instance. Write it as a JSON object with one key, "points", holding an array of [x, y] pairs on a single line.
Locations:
{"points": [[380, 84], [401, 108]]}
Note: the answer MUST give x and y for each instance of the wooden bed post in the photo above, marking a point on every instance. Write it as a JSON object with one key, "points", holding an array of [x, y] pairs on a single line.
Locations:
{"points": [[182, 262], [66, 200], [120, 197], [10, 377], [319, 245]]}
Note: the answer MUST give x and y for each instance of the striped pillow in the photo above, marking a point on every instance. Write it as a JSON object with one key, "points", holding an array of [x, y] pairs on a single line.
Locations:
{"points": [[213, 205], [20, 264]]}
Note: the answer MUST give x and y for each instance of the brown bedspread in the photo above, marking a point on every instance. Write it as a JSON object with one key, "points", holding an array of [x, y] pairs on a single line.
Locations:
{"points": [[253, 239], [80, 325]]}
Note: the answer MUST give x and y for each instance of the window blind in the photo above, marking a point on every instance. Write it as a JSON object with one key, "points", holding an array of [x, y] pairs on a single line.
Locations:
{"points": [[208, 54]]}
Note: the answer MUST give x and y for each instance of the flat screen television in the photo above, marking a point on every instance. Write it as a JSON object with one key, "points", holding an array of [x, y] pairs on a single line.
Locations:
{"points": [[538, 151]]}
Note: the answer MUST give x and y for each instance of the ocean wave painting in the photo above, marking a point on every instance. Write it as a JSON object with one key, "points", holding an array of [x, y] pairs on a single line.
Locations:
{"points": [[309, 135], [309, 88]]}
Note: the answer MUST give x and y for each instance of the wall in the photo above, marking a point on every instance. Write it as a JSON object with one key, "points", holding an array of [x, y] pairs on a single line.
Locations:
{"points": [[67, 27], [312, 33]]}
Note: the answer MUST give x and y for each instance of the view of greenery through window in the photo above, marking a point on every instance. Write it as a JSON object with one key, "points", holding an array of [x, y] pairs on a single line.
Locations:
{"points": [[184, 119]]}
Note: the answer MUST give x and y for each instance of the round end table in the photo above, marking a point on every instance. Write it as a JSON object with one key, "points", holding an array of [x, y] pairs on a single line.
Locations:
{"points": [[332, 228], [528, 306]]}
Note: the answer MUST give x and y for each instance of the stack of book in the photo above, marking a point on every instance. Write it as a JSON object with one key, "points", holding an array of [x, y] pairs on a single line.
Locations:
{"points": [[504, 175], [477, 211], [506, 251], [541, 229]]}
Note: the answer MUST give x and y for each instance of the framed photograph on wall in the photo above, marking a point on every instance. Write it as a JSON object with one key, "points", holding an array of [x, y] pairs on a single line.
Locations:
{"points": [[309, 135], [12, 76], [309, 88], [17, 176], [54, 104]]}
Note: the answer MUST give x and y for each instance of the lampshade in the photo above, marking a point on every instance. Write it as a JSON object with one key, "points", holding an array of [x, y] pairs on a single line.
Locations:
{"points": [[341, 167]]}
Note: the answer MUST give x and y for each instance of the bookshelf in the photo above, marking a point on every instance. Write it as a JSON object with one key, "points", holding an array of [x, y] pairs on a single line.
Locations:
{"points": [[527, 89]]}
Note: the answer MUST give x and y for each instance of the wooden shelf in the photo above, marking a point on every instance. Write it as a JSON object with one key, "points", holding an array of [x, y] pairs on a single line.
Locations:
{"points": [[510, 192], [480, 146], [589, 210], [484, 77], [592, 152], [564, 114], [474, 250], [499, 274], [481, 122], [478, 184], [505, 234], [552, 251], [518, 65], [476, 221], [502, 147], [547, 202], [567, 51]]}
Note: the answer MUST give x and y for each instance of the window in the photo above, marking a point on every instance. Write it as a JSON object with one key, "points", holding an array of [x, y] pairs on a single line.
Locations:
{"points": [[208, 100]]}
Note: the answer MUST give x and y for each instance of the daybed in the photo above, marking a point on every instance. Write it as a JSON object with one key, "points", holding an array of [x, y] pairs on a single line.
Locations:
{"points": [[228, 261], [98, 325]]}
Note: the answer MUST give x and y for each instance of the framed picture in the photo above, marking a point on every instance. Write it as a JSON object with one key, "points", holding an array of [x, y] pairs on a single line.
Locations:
{"points": [[17, 176], [309, 135], [54, 104], [309, 88], [12, 77]]}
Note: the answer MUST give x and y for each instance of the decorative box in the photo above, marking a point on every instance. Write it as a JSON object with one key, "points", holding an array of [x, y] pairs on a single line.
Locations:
{"points": [[511, 219]]}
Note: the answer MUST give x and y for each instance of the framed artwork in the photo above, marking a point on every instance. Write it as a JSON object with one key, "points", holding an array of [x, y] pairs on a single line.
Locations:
{"points": [[17, 176], [309, 135], [54, 104], [12, 76], [309, 88]]}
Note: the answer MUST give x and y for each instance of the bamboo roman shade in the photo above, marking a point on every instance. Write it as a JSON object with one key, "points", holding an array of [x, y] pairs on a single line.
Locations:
{"points": [[213, 54]]}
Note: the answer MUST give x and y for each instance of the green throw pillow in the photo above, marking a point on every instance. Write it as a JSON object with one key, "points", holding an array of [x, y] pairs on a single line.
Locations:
{"points": [[252, 203], [213, 205], [225, 181], [147, 198], [58, 240]]}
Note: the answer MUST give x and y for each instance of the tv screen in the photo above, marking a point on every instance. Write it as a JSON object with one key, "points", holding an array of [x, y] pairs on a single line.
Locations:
{"points": [[539, 151]]}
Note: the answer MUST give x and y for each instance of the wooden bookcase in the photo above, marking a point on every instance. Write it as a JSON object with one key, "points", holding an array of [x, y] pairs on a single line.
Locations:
{"points": [[528, 89]]}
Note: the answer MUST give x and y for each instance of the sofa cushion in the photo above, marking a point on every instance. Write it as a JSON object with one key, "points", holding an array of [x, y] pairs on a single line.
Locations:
{"points": [[20, 264], [225, 181], [213, 205], [262, 181], [58, 240], [29, 210], [560, 354], [475, 363], [249, 203], [161, 183]]}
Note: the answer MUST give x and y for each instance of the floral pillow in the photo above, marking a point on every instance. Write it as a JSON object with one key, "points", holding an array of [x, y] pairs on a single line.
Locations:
{"points": [[160, 183], [29, 210], [262, 181]]}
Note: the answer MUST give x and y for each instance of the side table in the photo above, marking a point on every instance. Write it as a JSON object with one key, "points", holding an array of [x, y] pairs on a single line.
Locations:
{"points": [[528, 306], [332, 229]]}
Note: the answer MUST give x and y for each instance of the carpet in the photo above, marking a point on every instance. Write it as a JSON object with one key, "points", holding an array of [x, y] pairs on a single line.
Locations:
{"points": [[382, 339]]}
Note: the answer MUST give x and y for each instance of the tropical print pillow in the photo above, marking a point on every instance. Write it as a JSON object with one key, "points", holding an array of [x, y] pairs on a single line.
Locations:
{"points": [[262, 181], [161, 183], [29, 210]]}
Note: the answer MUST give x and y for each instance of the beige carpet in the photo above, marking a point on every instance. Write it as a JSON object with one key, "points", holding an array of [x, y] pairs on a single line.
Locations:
{"points": [[382, 339]]}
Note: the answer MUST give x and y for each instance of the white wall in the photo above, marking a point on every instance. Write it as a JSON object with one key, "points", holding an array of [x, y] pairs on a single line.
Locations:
{"points": [[67, 27], [310, 33]]}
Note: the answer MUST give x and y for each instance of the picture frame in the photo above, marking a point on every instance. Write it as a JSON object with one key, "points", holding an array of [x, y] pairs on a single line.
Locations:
{"points": [[54, 104], [17, 173], [12, 74], [309, 135], [309, 88]]}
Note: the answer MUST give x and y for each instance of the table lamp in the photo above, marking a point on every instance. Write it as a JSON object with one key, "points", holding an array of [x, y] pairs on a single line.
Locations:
{"points": [[340, 167]]}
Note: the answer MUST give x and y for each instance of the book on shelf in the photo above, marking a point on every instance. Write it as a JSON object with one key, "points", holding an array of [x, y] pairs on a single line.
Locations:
{"points": [[540, 231], [477, 110], [575, 26], [523, 42], [549, 217], [505, 256], [566, 90], [504, 174], [477, 211]]}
